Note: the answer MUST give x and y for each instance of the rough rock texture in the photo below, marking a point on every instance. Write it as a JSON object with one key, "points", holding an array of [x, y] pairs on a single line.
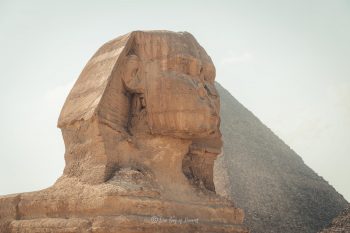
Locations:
{"points": [[277, 191], [340, 224], [141, 131]]}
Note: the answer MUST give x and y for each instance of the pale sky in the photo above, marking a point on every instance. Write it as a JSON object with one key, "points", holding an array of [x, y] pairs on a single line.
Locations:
{"points": [[286, 61]]}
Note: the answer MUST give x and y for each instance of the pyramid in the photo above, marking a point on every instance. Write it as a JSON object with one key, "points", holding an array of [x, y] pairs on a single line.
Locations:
{"points": [[267, 179]]}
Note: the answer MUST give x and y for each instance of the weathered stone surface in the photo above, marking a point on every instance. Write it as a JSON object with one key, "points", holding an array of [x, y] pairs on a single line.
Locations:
{"points": [[266, 178], [340, 224], [141, 131]]}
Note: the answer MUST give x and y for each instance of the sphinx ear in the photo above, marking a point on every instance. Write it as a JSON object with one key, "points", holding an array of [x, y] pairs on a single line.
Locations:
{"points": [[132, 77]]}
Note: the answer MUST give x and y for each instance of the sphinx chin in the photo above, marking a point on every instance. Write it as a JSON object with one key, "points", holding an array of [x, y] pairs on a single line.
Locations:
{"points": [[141, 132]]}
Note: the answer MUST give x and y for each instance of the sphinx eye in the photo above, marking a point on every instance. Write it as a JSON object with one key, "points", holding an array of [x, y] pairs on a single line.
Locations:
{"points": [[201, 71]]}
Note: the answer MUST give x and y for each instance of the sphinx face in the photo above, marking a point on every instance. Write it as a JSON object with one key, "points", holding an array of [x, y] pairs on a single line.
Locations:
{"points": [[184, 101], [176, 95]]}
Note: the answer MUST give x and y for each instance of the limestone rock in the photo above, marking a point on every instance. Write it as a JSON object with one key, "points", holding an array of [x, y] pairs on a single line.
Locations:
{"points": [[141, 132], [340, 224]]}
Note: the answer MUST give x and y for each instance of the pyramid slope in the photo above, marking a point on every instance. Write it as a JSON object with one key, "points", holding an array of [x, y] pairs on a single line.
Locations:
{"points": [[266, 178], [340, 223]]}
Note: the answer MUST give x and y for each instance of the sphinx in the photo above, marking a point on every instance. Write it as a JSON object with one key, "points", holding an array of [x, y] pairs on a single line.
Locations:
{"points": [[141, 132]]}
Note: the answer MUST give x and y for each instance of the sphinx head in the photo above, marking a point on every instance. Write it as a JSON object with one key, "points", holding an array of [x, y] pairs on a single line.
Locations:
{"points": [[170, 79], [158, 86]]}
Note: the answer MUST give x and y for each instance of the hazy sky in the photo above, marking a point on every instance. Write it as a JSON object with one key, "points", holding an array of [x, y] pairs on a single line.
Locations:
{"points": [[286, 61]]}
